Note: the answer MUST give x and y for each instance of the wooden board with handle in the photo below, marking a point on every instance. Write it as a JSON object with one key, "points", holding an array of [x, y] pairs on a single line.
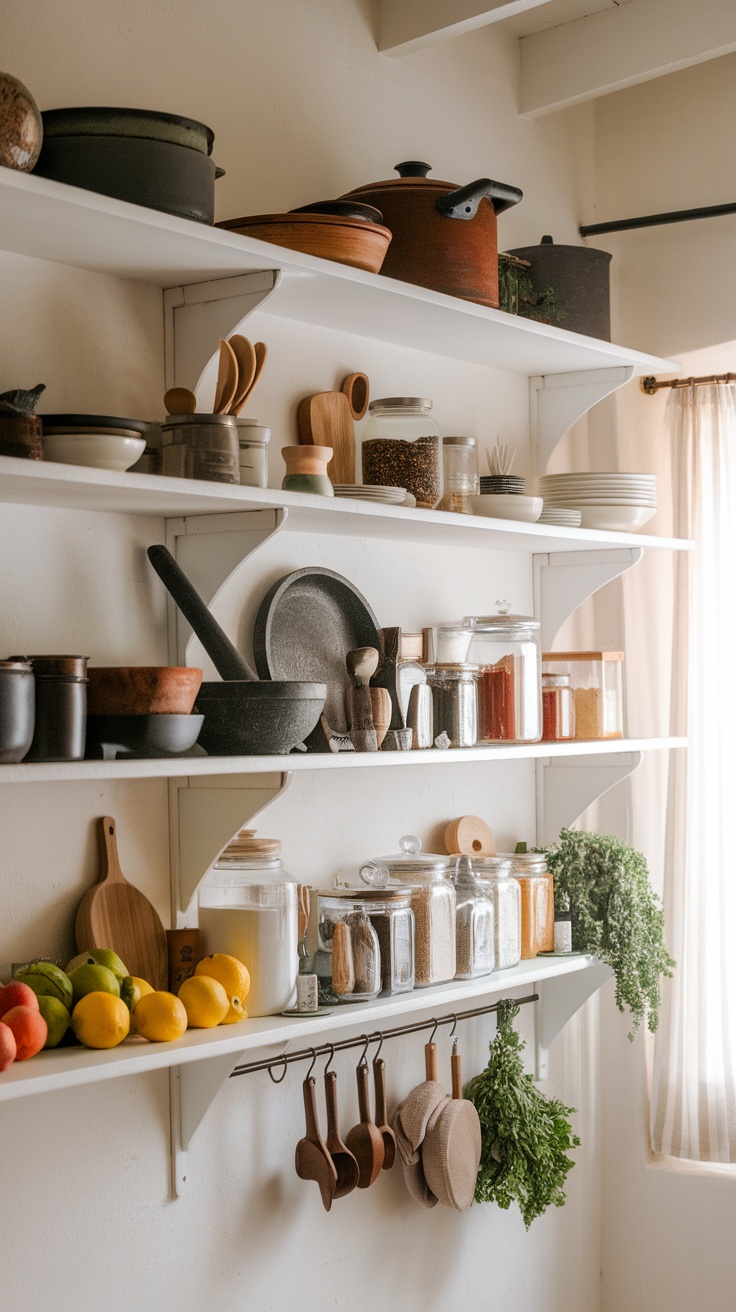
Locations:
{"points": [[115, 914], [325, 420]]}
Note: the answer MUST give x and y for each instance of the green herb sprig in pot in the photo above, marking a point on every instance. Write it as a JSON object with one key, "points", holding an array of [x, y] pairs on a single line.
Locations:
{"points": [[525, 1137], [616, 915]]}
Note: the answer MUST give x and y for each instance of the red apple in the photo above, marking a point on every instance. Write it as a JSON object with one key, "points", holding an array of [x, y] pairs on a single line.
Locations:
{"points": [[30, 1030], [16, 994], [8, 1046]]}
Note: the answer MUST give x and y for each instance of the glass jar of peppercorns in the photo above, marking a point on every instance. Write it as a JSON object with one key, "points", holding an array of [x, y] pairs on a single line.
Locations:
{"points": [[402, 447]]}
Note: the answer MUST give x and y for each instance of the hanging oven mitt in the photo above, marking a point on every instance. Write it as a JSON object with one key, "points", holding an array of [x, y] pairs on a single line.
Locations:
{"points": [[410, 1121]]}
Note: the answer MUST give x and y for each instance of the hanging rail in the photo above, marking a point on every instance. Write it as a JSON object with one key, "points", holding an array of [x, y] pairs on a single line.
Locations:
{"points": [[656, 220], [652, 385], [307, 1054]]}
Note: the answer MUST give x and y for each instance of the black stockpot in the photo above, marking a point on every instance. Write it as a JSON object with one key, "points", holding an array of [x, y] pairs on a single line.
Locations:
{"points": [[579, 277]]}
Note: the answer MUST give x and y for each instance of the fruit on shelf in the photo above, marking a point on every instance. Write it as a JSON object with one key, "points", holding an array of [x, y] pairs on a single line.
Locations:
{"points": [[99, 957], [57, 1018], [30, 1030], [46, 979], [160, 1017], [235, 979], [16, 994], [8, 1046], [205, 1000], [93, 979], [101, 1020], [132, 989]]}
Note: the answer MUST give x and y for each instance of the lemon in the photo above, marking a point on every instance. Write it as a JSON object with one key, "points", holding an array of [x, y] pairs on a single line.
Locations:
{"points": [[235, 979], [100, 1020], [160, 1017], [132, 989], [205, 1000]]}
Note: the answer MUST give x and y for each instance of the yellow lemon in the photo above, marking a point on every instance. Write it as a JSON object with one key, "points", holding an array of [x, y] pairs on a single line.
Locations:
{"points": [[205, 1000], [160, 1017], [235, 979], [100, 1020]]}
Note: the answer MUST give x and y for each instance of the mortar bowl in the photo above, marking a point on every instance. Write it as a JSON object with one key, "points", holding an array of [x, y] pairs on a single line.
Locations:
{"points": [[258, 719]]}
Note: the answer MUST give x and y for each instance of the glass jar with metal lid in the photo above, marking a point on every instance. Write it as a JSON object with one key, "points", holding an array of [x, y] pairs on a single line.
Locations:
{"points": [[506, 896], [537, 902], [474, 922], [507, 649], [428, 879], [348, 959], [460, 470], [455, 702], [390, 914], [558, 708], [401, 446]]}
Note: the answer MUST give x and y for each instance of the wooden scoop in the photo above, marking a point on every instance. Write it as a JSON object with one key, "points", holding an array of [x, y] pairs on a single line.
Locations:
{"points": [[180, 401], [246, 360], [365, 1140], [227, 379], [312, 1160], [114, 914], [342, 1158], [384, 1129]]}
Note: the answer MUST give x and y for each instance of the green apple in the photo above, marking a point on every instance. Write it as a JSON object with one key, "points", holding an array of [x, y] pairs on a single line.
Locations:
{"points": [[93, 979], [99, 957], [57, 1018]]}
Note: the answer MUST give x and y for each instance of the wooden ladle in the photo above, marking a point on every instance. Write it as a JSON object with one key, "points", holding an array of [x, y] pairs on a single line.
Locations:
{"points": [[365, 1140], [389, 1138], [312, 1160], [342, 1158]]}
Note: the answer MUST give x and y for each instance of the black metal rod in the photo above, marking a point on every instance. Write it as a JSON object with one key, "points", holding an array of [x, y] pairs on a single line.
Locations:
{"points": [[656, 220], [306, 1054]]}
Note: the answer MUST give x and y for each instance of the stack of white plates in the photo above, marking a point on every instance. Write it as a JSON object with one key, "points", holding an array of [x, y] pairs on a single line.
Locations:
{"points": [[618, 502], [387, 496], [564, 518]]}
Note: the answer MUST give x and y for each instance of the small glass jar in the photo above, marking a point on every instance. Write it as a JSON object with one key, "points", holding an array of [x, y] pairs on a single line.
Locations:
{"points": [[537, 902], [401, 446], [432, 892], [253, 439], [348, 958], [455, 703], [506, 897], [507, 650], [558, 709], [474, 922], [596, 678], [248, 909], [460, 471]]}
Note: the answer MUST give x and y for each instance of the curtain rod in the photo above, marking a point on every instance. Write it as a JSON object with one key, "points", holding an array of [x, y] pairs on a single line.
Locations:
{"points": [[652, 385], [656, 220]]}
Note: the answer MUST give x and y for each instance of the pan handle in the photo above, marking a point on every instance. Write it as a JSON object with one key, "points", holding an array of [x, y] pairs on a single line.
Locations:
{"points": [[226, 658]]}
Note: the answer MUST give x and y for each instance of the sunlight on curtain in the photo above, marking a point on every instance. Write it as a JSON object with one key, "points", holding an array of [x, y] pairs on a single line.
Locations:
{"points": [[693, 1112]]}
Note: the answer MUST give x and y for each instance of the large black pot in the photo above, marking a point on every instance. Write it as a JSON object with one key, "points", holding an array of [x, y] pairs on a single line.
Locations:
{"points": [[579, 277]]}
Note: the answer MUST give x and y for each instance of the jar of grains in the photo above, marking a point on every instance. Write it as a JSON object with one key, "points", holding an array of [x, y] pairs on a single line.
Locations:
{"points": [[474, 922], [596, 679], [401, 446], [348, 959], [426, 876], [506, 897], [455, 702], [537, 902], [507, 650]]}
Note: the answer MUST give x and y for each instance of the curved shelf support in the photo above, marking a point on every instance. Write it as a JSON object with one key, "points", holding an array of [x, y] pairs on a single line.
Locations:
{"points": [[559, 400], [566, 786], [197, 316], [564, 580], [559, 999]]}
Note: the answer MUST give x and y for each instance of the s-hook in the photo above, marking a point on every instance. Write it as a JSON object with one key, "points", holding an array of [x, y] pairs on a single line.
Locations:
{"points": [[282, 1076], [332, 1057], [314, 1063]]}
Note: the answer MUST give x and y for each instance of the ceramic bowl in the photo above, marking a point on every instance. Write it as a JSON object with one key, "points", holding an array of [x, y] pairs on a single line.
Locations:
{"points": [[97, 450], [617, 519], [142, 689], [507, 506]]}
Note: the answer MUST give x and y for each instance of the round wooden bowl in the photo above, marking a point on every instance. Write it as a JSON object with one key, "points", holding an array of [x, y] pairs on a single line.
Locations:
{"points": [[332, 237], [142, 689]]}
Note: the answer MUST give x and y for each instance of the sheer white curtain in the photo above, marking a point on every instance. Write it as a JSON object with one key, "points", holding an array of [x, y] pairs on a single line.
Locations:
{"points": [[693, 1109]]}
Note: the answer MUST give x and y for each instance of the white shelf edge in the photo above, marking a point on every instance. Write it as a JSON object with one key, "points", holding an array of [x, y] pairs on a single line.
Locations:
{"points": [[64, 1068]]}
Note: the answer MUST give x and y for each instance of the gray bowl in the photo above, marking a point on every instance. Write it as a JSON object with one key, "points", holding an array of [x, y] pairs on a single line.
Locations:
{"points": [[258, 719]]}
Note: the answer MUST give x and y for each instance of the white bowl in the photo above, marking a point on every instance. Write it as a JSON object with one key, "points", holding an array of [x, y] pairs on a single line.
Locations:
{"points": [[97, 450], [507, 506], [617, 519]]}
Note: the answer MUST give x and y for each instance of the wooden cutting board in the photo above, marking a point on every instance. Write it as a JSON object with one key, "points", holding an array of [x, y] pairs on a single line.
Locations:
{"points": [[114, 914], [325, 420]]}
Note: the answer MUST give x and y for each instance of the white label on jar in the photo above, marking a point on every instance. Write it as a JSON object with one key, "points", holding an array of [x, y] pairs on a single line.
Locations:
{"points": [[563, 936], [306, 992]]}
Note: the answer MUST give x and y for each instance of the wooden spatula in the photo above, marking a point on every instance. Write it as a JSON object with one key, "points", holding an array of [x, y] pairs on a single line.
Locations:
{"points": [[261, 351], [114, 914], [325, 420], [246, 358], [227, 379]]}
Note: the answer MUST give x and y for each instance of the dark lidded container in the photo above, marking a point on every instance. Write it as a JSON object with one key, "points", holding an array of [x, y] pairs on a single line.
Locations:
{"points": [[61, 707]]}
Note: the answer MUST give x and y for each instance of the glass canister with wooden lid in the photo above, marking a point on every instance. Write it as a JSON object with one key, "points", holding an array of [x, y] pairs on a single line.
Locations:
{"points": [[596, 678]]}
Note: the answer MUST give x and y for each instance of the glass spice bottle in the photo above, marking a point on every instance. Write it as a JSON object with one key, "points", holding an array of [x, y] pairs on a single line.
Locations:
{"points": [[401, 446], [558, 708], [460, 469]]}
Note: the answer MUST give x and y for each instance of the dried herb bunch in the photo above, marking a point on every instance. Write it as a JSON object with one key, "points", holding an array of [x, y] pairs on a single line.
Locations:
{"points": [[616, 915], [525, 1137]]}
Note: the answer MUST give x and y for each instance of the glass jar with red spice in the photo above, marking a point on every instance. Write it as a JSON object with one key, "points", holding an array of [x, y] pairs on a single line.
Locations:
{"points": [[507, 650], [558, 708]]}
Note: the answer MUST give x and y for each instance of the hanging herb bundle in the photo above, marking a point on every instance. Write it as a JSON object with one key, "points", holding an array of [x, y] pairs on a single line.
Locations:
{"points": [[525, 1137], [616, 915]]}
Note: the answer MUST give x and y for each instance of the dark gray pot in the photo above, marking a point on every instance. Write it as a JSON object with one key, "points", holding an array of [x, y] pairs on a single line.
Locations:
{"points": [[580, 279]]}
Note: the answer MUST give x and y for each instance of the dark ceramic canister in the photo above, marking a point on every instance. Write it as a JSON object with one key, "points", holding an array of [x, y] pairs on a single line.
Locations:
{"points": [[61, 708], [17, 710], [579, 277], [20, 436]]}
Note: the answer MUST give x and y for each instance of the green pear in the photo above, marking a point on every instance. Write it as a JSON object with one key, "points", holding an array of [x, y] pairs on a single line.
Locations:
{"points": [[46, 979], [99, 957], [93, 979], [57, 1019]]}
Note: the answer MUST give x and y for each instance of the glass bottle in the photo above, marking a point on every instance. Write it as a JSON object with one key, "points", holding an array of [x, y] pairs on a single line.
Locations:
{"points": [[474, 922], [506, 896], [558, 708], [507, 650], [537, 902], [348, 959], [455, 702], [401, 446], [460, 471]]}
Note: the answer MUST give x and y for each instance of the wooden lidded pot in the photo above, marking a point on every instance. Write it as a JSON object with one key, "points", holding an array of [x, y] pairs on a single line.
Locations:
{"points": [[444, 236]]}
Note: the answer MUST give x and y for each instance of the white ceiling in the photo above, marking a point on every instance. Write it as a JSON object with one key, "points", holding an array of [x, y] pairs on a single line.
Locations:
{"points": [[553, 13]]}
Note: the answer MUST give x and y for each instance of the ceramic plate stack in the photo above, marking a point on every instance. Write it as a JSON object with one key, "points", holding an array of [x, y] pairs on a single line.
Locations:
{"points": [[616, 502], [558, 515], [386, 496]]}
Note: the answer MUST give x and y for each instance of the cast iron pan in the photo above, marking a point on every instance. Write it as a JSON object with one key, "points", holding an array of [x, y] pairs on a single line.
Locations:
{"points": [[305, 627]]}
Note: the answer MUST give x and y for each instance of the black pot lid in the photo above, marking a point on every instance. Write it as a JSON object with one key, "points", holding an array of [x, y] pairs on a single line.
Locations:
{"points": [[94, 421], [114, 120]]}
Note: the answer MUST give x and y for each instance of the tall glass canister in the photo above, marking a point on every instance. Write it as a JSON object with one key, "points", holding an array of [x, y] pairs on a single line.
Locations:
{"points": [[401, 446], [507, 650]]}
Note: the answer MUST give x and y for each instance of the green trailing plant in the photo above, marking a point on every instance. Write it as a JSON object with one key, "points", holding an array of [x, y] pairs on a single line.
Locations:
{"points": [[616, 916], [525, 1137]]}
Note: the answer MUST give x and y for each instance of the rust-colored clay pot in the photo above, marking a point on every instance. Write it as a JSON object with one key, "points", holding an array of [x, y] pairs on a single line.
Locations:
{"points": [[142, 689]]}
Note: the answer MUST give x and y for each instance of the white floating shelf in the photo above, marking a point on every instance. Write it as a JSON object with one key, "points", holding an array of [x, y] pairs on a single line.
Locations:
{"points": [[198, 766], [68, 225], [63, 1068]]}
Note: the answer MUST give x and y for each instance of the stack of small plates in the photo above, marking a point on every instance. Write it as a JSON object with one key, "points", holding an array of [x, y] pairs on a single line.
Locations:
{"points": [[564, 518], [617, 502], [387, 496]]}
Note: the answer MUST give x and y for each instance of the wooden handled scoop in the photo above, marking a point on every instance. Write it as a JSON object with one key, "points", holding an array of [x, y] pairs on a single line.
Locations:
{"points": [[361, 666], [114, 914], [342, 1158], [312, 1160], [389, 1138], [365, 1140]]}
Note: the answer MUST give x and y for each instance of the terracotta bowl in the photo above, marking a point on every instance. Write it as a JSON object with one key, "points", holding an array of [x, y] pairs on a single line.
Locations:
{"points": [[142, 689], [347, 241]]}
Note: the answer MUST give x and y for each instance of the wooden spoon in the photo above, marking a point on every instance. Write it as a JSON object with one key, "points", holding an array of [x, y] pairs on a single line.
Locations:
{"points": [[261, 351], [312, 1160], [365, 1140], [342, 1158], [357, 389], [227, 379], [246, 359], [384, 1129], [180, 401]]}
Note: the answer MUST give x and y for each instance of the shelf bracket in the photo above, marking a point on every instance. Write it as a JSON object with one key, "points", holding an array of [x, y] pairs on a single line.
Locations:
{"points": [[558, 400], [559, 999], [563, 580], [198, 315], [567, 786]]}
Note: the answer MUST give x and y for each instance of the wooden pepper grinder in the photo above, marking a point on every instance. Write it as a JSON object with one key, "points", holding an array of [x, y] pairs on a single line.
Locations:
{"points": [[362, 664]]}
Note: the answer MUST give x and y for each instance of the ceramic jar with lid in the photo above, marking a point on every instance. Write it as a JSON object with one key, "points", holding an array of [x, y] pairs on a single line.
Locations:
{"points": [[428, 878], [348, 959], [537, 902], [474, 922], [507, 649], [401, 446]]}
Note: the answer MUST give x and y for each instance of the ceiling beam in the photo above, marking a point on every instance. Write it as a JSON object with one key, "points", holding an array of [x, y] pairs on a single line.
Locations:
{"points": [[405, 26], [620, 47]]}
